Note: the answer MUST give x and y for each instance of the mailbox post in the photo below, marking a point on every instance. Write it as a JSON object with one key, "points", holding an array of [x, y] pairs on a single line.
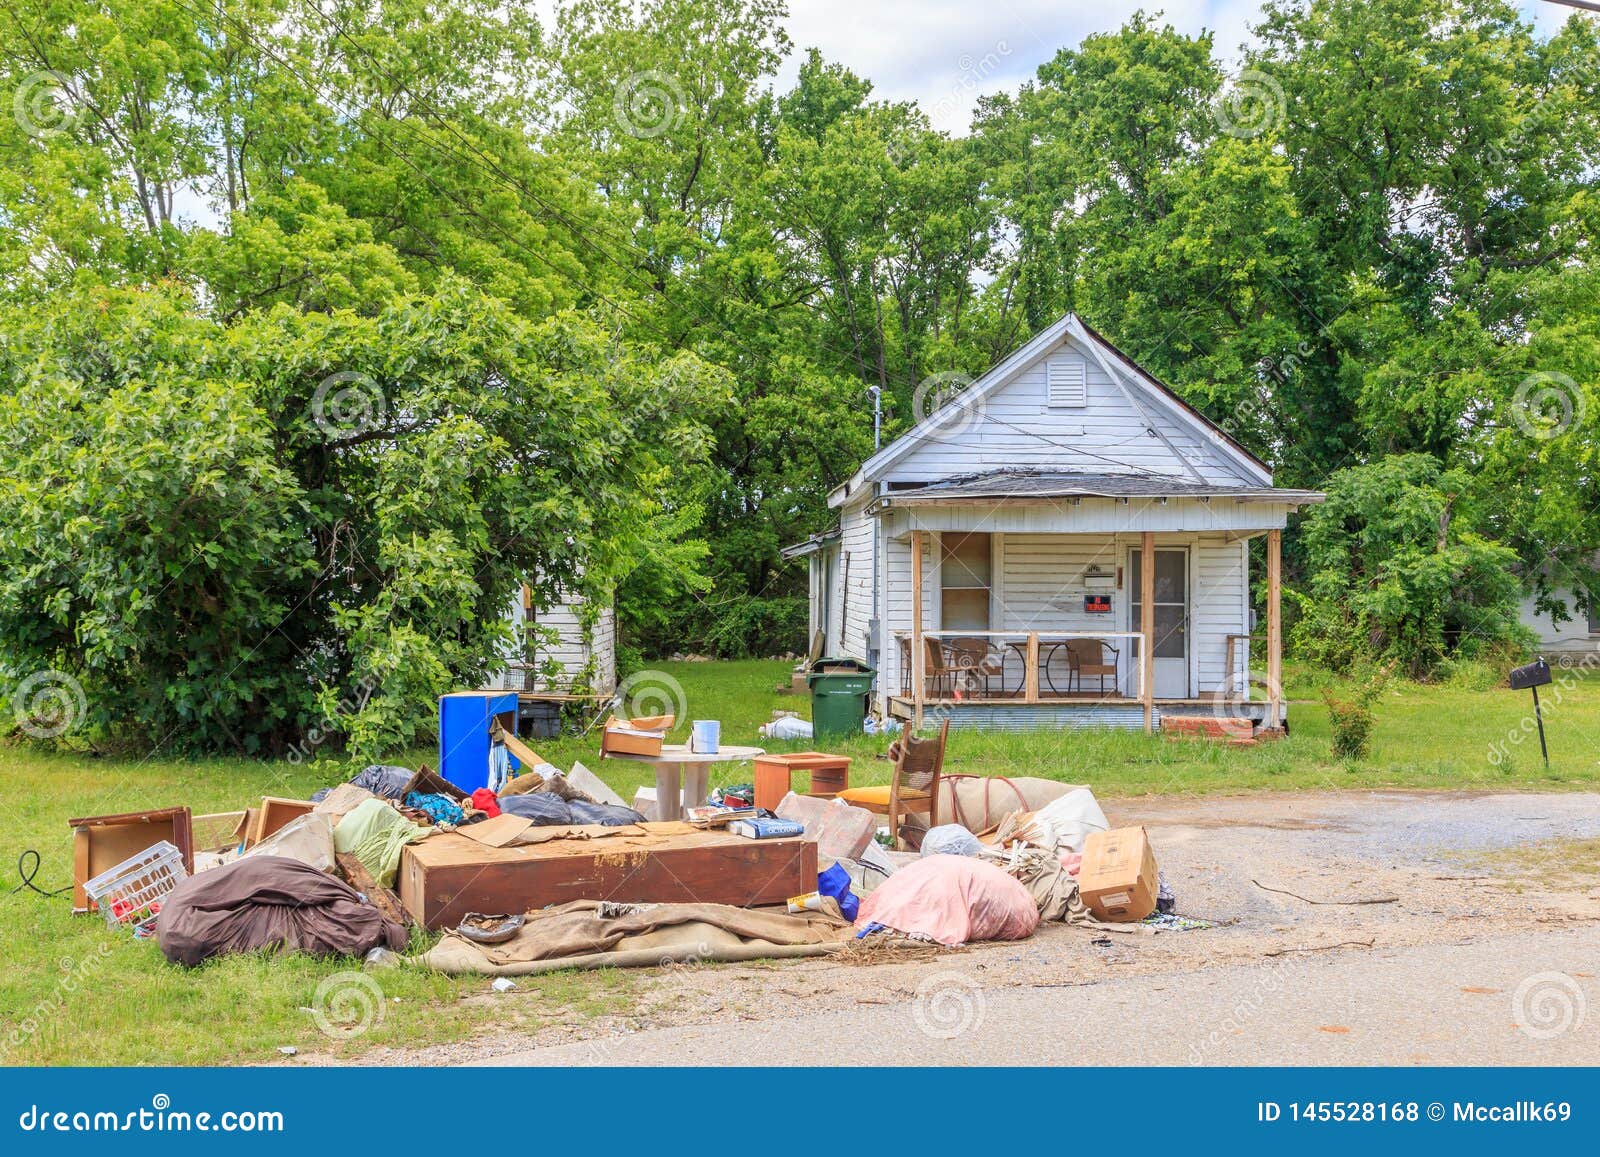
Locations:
{"points": [[1533, 676]]}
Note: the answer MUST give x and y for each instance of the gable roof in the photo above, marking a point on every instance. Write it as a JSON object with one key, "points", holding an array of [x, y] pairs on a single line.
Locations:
{"points": [[1122, 369]]}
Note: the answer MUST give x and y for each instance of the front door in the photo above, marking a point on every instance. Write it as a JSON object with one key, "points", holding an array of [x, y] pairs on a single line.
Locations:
{"points": [[1171, 620]]}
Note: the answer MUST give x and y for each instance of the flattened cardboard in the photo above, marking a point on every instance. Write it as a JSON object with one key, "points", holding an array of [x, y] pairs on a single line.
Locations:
{"points": [[499, 832]]}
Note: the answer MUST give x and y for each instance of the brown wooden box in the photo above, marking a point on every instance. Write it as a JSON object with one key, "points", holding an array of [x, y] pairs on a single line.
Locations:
{"points": [[623, 739], [446, 876], [100, 843], [274, 813]]}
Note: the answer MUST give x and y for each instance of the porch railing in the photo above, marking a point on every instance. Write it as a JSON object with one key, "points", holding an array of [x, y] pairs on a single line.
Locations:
{"points": [[1020, 666]]}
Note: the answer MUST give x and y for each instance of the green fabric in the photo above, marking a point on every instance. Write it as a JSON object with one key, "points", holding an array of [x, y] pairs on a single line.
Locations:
{"points": [[375, 833]]}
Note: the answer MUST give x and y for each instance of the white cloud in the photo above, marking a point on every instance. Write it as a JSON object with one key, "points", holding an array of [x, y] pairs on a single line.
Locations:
{"points": [[944, 54]]}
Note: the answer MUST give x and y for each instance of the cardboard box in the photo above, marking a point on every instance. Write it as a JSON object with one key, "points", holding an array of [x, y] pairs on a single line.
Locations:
{"points": [[274, 813], [624, 739], [1118, 877]]}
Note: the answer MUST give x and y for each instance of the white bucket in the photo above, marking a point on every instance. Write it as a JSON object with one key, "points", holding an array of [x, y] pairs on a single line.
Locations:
{"points": [[704, 736]]}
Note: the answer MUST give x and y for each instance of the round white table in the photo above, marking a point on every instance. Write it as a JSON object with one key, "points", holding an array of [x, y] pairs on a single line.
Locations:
{"points": [[683, 777]]}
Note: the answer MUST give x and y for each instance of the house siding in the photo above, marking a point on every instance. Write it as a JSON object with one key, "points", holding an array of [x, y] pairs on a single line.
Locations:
{"points": [[856, 536], [1016, 427]]}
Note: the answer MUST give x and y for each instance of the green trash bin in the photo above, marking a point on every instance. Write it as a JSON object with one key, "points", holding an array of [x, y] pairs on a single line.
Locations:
{"points": [[839, 689]]}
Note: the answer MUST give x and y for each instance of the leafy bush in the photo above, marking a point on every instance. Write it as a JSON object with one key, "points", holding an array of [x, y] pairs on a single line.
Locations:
{"points": [[1350, 713], [257, 535]]}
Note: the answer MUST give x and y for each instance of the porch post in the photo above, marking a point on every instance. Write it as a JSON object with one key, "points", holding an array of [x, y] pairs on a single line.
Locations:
{"points": [[1147, 628], [1030, 672], [918, 657], [1274, 625]]}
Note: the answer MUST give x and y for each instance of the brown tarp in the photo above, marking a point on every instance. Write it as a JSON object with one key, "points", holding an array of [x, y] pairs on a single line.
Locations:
{"points": [[270, 902], [597, 934]]}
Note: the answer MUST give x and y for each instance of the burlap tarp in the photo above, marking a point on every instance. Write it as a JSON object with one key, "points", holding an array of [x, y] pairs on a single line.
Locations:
{"points": [[597, 934]]}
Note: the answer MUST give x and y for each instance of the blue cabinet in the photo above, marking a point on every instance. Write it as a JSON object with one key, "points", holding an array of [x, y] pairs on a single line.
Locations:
{"points": [[464, 720]]}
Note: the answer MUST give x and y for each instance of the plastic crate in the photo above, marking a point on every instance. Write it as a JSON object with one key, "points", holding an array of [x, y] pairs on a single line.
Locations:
{"points": [[132, 891]]}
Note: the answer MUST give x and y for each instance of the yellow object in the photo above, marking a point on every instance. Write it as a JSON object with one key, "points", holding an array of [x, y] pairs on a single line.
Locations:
{"points": [[877, 795]]}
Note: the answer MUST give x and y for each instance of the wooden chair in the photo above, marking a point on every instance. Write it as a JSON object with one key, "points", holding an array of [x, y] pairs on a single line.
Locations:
{"points": [[1088, 657], [918, 766]]}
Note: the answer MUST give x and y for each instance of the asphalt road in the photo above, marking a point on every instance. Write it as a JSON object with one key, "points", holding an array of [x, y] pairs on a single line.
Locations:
{"points": [[1529, 998]]}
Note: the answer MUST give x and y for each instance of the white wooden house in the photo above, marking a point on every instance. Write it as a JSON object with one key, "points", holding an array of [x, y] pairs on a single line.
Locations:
{"points": [[986, 556], [1577, 635]]}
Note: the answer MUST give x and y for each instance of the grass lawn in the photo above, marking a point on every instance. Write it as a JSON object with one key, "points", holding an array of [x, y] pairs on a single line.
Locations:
{"points": [[71, 993]]}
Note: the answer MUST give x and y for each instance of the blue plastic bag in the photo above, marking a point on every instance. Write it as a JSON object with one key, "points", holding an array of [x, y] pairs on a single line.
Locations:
{"points": [[835, 882]]}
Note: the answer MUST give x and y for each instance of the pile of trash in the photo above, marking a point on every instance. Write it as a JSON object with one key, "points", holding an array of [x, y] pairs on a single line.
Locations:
{"points": [[313, 876], [1056, 859], [317, 875]]}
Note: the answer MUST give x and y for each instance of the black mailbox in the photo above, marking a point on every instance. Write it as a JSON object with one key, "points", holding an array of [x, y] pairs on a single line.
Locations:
{"points": [[1535, 674]]}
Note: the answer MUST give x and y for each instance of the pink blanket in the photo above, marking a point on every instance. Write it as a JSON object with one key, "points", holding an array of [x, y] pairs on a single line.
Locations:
{"points": [[953, 900]]}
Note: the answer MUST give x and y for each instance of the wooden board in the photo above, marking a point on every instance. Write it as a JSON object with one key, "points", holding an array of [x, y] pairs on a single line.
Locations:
{"points": [[446, 876], [357, 876], [100, 843]]}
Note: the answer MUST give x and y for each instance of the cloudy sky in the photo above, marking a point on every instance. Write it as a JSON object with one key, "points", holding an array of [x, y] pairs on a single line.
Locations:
{"points": [[945, 53]]}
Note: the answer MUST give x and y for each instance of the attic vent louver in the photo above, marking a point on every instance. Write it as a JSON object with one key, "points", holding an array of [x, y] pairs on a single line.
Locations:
{"points": [[1067, 383]]}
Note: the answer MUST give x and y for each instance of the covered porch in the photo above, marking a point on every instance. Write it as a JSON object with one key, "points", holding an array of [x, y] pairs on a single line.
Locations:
{"points": [[1036, 613]]}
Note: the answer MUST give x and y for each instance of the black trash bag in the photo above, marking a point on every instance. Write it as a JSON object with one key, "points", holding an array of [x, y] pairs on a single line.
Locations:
{"points": [[541, 807], [385, 780], [609, 814]]}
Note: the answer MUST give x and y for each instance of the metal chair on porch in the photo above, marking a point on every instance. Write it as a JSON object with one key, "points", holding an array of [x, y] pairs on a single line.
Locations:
{"points": [[1088, 657], [918, 766]]}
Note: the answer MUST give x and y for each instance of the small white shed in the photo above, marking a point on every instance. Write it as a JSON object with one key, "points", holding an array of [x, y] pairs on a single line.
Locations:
{"points": [[991, 562]]}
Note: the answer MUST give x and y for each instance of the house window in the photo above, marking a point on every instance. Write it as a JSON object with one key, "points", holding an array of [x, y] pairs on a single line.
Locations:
{"points": [[1068, 382], [1594, 620], [966, 569]]}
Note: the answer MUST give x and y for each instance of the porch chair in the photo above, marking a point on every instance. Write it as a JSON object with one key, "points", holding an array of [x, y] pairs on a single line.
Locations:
{"points": [[970, 656], [914, 787], [938, 669], [1088, 657]]}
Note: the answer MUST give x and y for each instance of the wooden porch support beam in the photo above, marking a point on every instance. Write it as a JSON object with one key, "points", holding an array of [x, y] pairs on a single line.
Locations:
{"points": [[1147, 628], [1030, 673], [919, 657], [1274, 625]]}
